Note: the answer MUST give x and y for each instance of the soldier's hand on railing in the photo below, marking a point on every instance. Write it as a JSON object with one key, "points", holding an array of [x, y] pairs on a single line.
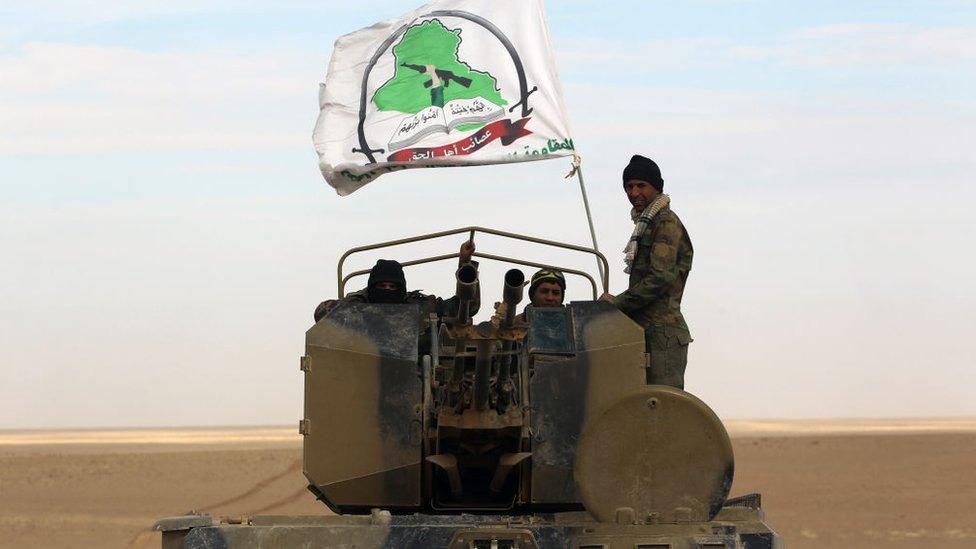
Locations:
{"points": [[467, 250], [607, 297]]}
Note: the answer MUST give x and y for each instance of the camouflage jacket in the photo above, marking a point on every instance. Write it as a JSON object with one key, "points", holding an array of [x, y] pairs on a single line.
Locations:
{"points": [[658, 274]]}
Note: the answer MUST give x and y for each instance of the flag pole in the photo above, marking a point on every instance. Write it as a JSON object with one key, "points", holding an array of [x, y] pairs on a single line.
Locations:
{"points": [[578, 170]]}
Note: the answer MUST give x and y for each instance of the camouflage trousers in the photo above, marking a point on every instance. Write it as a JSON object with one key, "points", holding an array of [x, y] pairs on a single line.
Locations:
{"points": [[668, 350]]}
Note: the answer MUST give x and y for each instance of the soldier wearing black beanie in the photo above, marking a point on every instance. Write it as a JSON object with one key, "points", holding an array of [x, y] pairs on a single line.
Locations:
{"points": [[658, 258], [645, 169]]}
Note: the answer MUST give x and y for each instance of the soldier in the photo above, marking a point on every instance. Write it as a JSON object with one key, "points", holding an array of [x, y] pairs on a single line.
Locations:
{"points": [[658, 260], [546, 289], [387, 284]]}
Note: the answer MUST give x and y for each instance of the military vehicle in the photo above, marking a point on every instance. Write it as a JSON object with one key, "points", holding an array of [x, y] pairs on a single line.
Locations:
{"points": [[427, 431]]}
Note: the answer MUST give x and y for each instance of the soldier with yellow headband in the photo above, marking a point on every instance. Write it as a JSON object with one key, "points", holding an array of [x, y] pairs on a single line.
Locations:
{"points": [[547, 288]]}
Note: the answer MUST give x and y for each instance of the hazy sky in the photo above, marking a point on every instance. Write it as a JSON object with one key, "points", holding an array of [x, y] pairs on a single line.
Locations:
{"points": [[166, 234]]}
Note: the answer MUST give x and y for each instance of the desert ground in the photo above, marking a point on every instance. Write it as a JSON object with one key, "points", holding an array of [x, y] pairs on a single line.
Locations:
{"points": [[862, 484]]}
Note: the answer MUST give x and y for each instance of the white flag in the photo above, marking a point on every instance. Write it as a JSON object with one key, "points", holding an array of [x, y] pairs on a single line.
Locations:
{"points": [[454, 83]]}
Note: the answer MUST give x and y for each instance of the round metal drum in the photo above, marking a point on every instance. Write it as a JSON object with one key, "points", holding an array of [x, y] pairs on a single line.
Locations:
{"points": [[661, 452]]}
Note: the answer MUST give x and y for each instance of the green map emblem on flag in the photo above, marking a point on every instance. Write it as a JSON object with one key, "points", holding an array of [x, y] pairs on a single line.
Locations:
{"points": [[432, 46], [430, 82], [454, 83]]}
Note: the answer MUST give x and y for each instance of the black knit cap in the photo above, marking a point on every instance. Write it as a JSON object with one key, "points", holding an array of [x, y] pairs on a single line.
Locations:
{"points": [[645, 169], [386, 270], [546, 275]]}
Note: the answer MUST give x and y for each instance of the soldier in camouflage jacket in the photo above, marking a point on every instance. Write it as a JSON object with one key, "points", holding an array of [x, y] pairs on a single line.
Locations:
{"points": [[659, 257]]}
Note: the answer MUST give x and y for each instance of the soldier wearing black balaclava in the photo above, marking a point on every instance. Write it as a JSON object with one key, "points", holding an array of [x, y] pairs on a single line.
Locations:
{"points": [[387, 284]]}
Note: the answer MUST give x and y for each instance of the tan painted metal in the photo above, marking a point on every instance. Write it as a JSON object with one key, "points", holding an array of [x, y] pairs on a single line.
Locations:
{"points": [[609, 363], [344, 448], [659, 455]]}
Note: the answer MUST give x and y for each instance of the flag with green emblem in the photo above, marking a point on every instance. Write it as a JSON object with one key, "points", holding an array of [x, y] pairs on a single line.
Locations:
{"points": [[453, 83]]}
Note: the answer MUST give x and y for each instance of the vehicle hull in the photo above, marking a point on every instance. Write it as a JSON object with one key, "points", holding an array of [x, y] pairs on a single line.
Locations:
{"points": [[733, 528]]}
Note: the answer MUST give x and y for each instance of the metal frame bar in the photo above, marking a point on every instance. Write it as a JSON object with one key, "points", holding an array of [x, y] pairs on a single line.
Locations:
{"points": [[578, 166], [584, 274], [601, 259]]}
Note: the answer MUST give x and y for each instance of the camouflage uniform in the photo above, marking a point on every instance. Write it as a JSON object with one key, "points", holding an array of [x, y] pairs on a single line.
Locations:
{"points": [[657, 282]]}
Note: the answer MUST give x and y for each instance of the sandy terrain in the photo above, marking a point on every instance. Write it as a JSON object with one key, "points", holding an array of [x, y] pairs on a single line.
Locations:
{"points": [[892, 484]]}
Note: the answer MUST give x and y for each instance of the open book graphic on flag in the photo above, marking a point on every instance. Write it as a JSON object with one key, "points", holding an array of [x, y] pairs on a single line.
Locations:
{"points": [[454, 114], [453, 83]]}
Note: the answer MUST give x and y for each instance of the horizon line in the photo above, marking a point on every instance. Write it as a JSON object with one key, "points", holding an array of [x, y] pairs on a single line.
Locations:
{"points": [[236, 435]]}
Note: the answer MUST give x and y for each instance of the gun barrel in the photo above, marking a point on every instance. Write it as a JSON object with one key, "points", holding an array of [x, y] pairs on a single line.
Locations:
{"points": [[467, 288], [482, 374], [512, 294]]}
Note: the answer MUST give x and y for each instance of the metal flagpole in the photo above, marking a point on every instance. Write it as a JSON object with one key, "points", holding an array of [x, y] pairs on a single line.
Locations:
{"points": [[578, 170]]}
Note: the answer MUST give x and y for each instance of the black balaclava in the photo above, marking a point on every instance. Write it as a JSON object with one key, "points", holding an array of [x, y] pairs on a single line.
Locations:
{"points": [[387, 270], [645, 169]]}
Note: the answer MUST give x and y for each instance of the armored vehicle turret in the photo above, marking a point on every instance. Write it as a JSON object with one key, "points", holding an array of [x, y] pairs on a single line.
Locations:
{"points": [[433, 430]]}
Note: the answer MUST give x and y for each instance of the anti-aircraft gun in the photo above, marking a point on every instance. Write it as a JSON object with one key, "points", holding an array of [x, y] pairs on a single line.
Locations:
{"points": [[427, 431]]}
